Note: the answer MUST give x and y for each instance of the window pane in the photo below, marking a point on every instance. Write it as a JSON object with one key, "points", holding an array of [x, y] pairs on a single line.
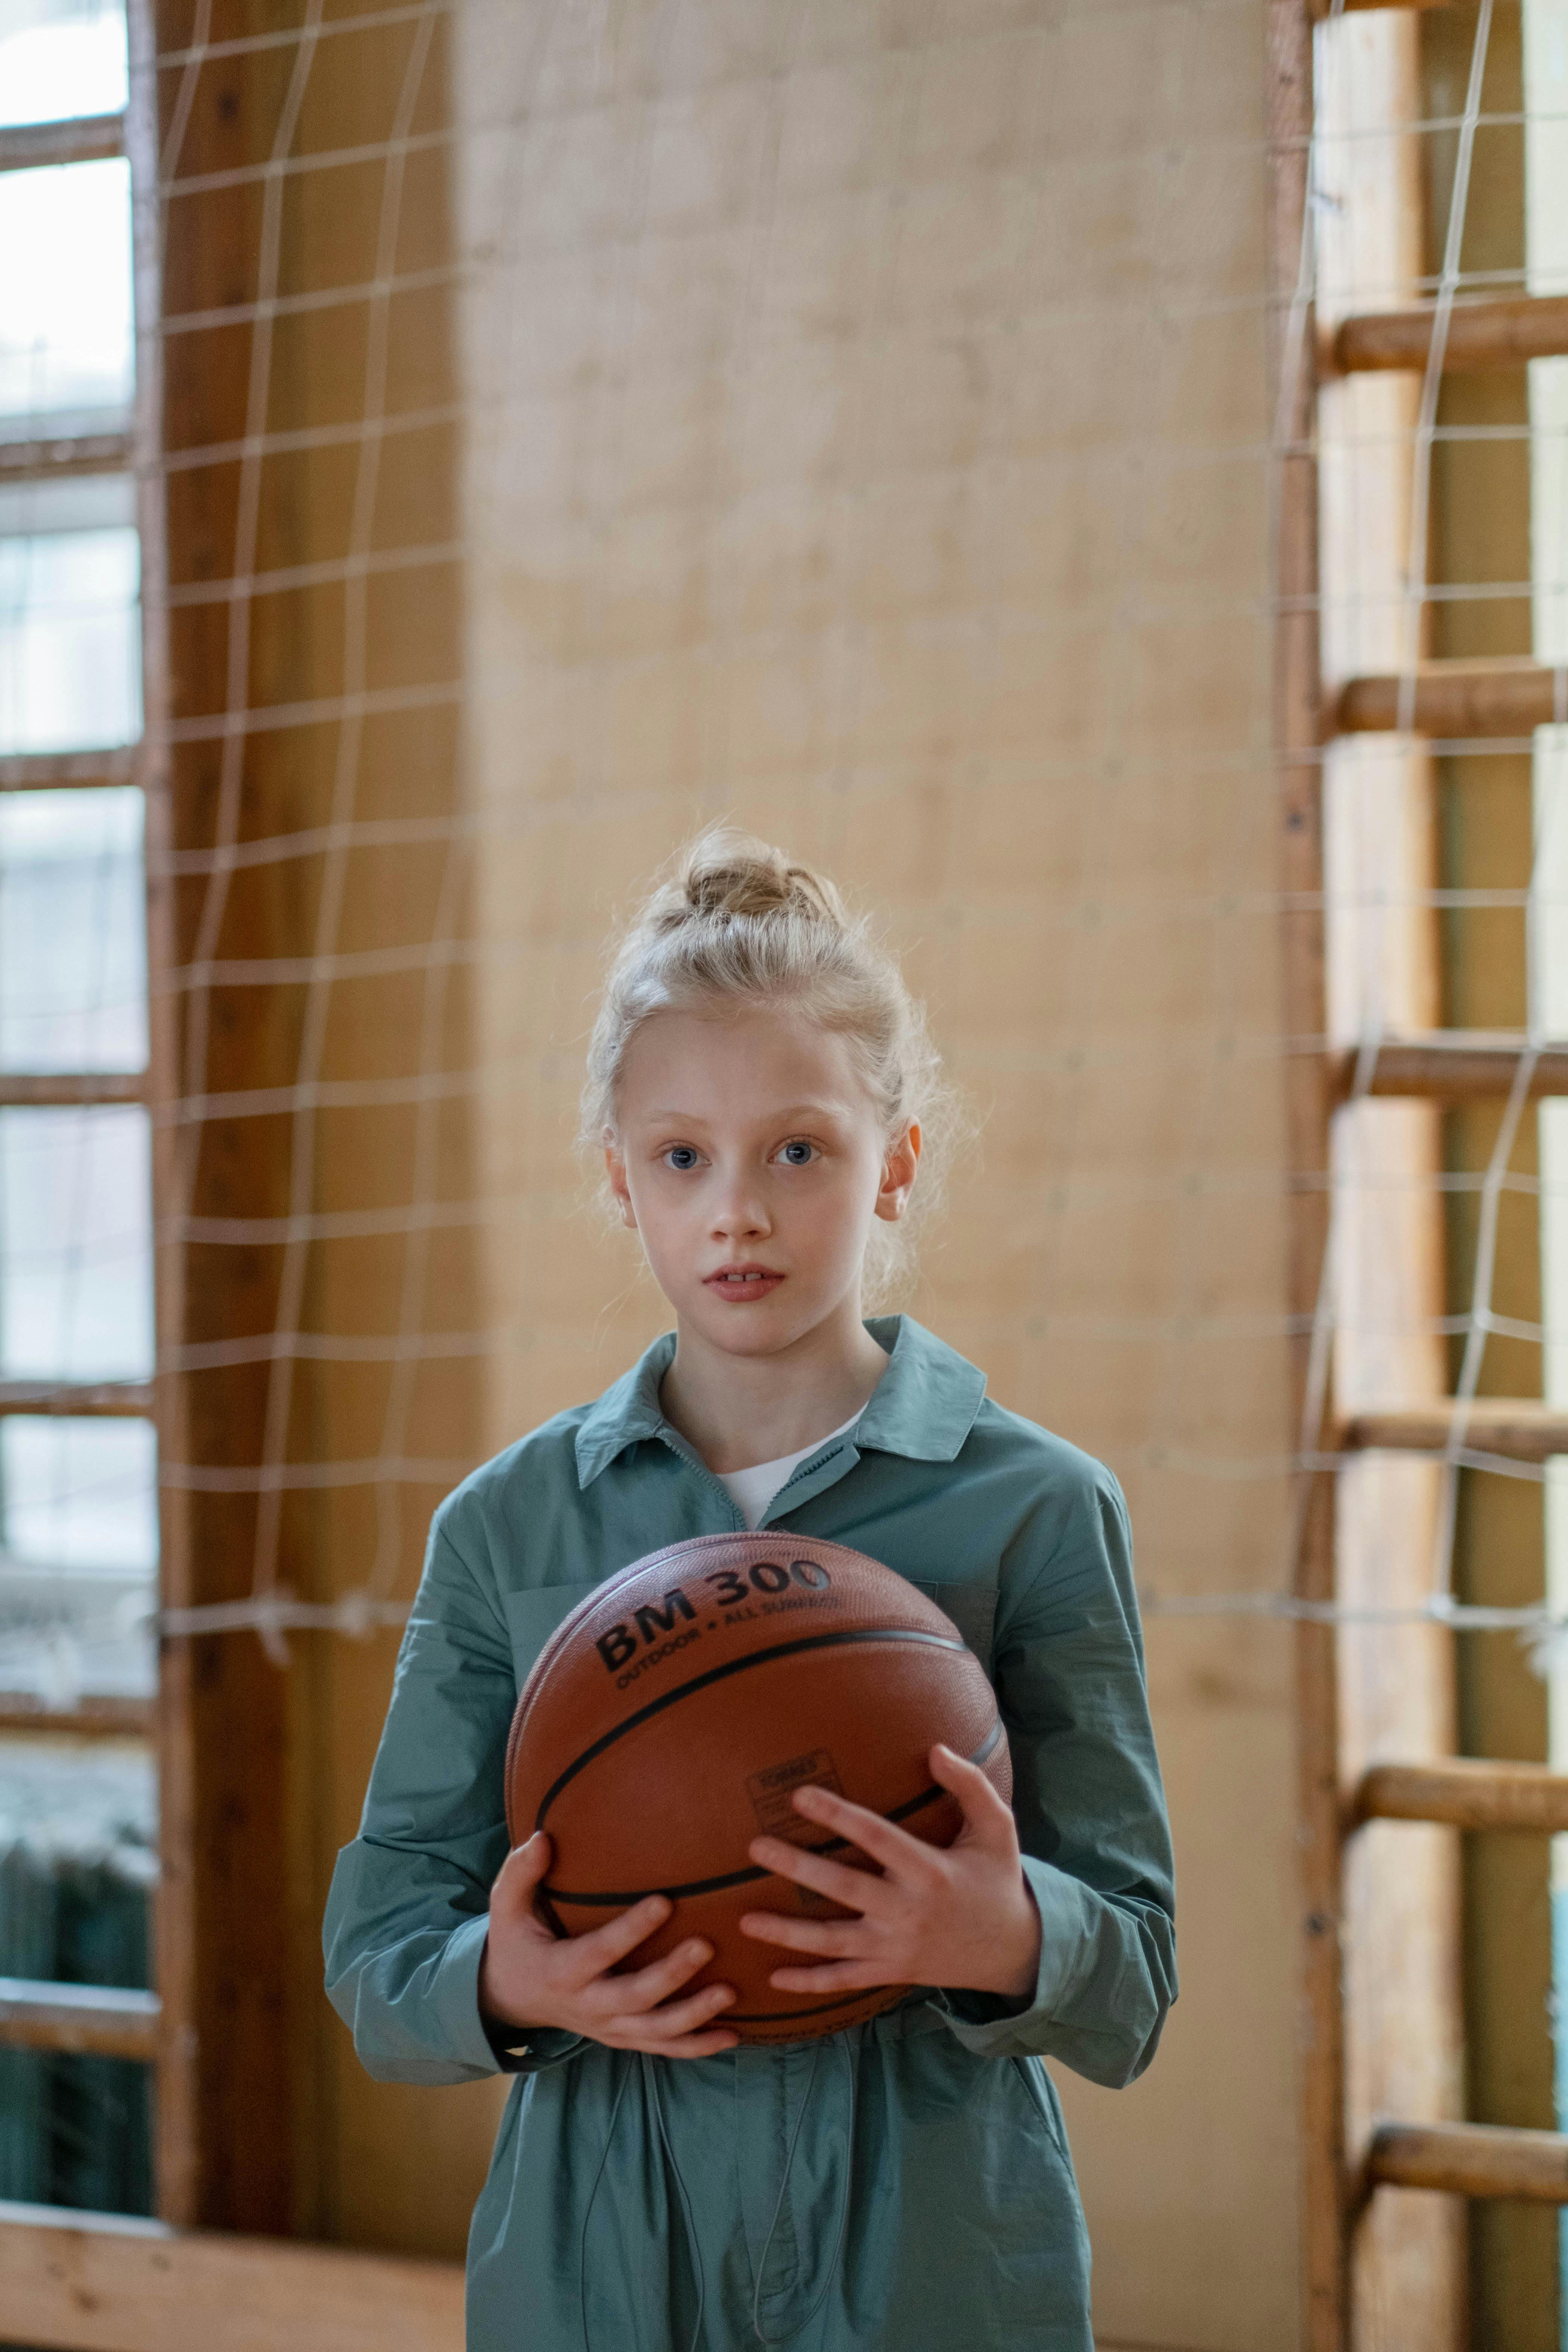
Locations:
{"points": [[70, 635], [76, 1288], [79, 1556], [73, 977], [59, 57], [79, 1494], [67, 352]]}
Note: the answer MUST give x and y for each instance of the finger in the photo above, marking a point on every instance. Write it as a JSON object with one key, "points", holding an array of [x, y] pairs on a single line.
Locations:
{"points": [[695, 2014], [690, 2046], [841, 1938], [522, 1872], [839, 1976], [857, 1890], [987, 1816], [894, 1848], [602, 1946], [631, 1995]]}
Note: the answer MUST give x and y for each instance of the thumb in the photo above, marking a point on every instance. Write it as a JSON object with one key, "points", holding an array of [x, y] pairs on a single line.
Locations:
{"points": [[987, 1819], [521, 1872]]}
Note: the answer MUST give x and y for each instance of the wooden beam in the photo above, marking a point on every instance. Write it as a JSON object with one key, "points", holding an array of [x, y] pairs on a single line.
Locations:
{"points": [[1460, 701], [1297, 733], [81, 139], [1480, 335], [77, 453], [90, 1718], [1466, 1793], [1452, 1065], [227, 1944], [1471, 2160], [1521, 1429], [55, 772], [100, 2283], [128, 1399], [52, 1090], [87, 2020]]}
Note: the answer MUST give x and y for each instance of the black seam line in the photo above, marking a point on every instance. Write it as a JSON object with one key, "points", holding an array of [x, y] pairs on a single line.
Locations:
{"points": [[718, 1674], [739, 1877], [903, 1812]]}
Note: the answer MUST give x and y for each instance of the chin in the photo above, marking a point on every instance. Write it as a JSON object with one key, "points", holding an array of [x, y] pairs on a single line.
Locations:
{"points": [[746, 1331]]}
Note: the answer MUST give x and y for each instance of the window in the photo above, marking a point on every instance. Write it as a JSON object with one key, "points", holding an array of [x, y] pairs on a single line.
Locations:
{"points": [[79, 1519]]}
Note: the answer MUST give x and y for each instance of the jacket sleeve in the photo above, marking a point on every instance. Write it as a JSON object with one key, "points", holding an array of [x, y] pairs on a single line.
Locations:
{"points": [[1068, 1668], [407, 1914]]}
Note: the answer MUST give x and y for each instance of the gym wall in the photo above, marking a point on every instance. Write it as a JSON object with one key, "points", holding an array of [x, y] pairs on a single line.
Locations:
{"points": [[847, 418]]}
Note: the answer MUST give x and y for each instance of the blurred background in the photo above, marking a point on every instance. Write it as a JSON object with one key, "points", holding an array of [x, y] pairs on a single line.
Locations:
{"points": [[451, 450]]}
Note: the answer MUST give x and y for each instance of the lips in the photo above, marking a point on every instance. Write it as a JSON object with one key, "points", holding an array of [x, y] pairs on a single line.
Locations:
{"points": [[741, 1283]]}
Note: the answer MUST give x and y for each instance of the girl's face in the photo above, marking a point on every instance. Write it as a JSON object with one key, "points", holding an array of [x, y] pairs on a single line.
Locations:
{"points": [[750, 1157]]}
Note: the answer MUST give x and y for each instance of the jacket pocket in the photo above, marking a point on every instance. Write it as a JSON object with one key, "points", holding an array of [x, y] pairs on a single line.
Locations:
{"points": [[1038, 2084]]}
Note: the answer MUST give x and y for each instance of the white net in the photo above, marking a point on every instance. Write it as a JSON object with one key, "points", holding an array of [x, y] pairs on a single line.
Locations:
{"points": [[627, 423]]}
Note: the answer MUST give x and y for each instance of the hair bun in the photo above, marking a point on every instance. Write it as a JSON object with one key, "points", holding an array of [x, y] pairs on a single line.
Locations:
{"points": [[733, 876]]}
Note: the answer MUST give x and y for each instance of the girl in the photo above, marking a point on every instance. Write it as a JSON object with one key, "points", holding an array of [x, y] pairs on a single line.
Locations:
{"points": [[761, 1086]]}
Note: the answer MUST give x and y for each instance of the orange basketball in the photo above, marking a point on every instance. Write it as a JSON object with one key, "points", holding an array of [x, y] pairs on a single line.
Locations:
{"points": [[672, 1716]]}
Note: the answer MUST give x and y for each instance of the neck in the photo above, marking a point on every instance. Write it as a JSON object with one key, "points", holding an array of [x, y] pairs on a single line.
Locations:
{"points": [[740, 1410]]}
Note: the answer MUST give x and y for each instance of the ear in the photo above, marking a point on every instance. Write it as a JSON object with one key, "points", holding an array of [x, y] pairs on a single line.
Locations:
{"points": [[615, 1172], [899, 1173]]}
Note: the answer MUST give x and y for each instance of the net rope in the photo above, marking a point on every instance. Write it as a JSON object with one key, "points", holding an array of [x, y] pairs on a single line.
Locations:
{"points": [[1226, 1031]]}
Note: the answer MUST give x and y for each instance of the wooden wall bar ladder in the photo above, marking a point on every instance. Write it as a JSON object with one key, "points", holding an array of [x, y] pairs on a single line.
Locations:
{"points": [[1453, 703]]}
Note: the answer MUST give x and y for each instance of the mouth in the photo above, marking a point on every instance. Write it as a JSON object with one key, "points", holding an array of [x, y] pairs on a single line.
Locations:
{"points": [[738, 1285]]}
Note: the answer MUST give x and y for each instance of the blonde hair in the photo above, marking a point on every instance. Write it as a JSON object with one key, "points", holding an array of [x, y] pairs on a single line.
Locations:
{"points": [[737, 922]]}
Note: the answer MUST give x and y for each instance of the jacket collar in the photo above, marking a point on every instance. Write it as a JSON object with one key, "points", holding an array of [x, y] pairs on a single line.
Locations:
{"points": [[923, 1406]]}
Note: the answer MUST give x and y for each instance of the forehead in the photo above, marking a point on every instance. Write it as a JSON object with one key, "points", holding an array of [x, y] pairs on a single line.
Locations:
{"points": [[736, 1065]]}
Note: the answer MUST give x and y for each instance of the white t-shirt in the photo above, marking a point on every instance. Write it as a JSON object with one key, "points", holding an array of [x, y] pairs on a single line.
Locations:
{"points": [[752, 1490]]}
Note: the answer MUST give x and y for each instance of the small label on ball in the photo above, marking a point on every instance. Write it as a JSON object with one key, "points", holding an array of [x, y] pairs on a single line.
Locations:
{"points": [[772, 1790]]}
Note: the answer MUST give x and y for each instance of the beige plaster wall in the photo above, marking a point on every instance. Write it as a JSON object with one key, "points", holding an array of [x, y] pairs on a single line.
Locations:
{"points": [[865, 417]]}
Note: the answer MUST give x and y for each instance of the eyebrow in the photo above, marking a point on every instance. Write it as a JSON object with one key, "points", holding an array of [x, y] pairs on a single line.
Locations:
{"points": [[791, 1112]]}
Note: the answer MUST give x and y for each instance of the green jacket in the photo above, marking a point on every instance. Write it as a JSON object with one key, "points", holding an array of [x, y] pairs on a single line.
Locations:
{"points": [[904, 2185]]}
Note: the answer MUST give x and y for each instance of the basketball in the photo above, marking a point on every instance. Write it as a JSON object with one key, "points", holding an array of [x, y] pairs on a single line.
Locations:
{"points": [[668, 1721]]}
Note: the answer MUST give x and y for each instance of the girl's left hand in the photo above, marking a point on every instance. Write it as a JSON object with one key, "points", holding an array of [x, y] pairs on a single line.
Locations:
{"points": [[960, 1915]]}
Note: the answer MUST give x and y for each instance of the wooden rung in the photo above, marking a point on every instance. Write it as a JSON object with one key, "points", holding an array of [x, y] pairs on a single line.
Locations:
{"points": [[1480, 335], [1457, 701], [55, 772], [50, 1089], [1319, 9], [77, 453], [1471, 2160], [83, 139], [90, 1718], [131, 1399], [90, 2020], [1465, 1794], [1453, 1065], [113, 2280], [1521, 1428]]}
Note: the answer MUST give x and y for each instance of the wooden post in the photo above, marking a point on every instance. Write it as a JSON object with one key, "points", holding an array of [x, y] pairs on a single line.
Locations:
{"points": [[224, 2138], [1296, 693]]}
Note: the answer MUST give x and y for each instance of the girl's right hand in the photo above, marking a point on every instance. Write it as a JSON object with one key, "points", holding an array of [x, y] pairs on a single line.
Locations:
{"points": [[529, 1977]]}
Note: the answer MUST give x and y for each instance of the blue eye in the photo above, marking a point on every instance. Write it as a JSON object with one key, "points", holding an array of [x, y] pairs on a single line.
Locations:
{"points": [[798, 1154], [681, 1156]]}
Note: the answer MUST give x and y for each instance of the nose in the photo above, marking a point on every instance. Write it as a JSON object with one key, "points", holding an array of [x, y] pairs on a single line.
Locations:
{"points": [[739, 1214]]}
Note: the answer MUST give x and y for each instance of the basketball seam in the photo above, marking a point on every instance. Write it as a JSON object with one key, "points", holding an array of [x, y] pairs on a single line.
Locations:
{"points": [[844, 1639], [768, 1540], [903, 1812]]}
